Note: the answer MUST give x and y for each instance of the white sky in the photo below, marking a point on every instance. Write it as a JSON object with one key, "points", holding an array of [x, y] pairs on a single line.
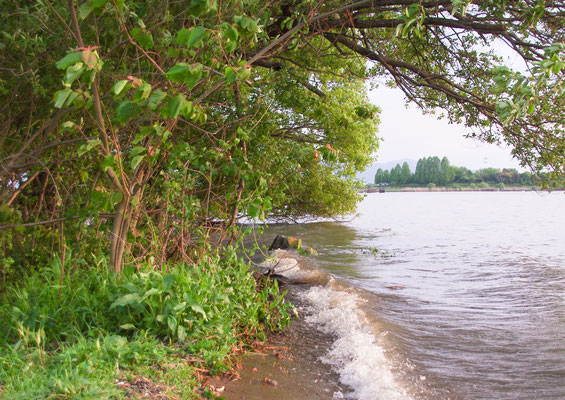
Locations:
{"points": [[409, 134]]}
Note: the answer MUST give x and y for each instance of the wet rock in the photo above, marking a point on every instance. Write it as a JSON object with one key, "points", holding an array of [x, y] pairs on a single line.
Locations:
{"points": [[280, 242]]}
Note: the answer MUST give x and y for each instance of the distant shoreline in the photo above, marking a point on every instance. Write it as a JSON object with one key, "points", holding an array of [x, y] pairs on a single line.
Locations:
{"points": [[449, 189]]}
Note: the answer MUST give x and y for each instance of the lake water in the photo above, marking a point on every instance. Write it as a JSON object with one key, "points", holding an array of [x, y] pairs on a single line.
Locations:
{"points": [[457, 295]]}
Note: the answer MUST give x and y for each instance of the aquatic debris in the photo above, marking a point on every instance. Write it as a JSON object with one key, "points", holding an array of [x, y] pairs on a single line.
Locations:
{"points": [[270, 381], [395, 287]]}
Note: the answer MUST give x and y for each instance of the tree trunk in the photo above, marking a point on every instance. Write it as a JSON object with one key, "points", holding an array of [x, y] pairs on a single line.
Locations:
{"points": [[119, 234]]}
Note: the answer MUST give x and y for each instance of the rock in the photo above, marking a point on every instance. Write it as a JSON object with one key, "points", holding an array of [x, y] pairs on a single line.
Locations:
{"points": [[280, 242], [270, 381]]}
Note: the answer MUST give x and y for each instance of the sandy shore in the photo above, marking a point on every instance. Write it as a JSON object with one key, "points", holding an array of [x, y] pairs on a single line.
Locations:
{"points": [[287, 366]]}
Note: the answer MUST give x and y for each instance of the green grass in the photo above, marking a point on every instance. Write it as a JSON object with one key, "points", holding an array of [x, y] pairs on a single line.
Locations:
{"points": [[98, 336]]}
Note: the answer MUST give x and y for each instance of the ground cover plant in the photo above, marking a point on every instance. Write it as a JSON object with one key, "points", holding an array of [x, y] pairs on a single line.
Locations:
{"points": [[80, 336]]}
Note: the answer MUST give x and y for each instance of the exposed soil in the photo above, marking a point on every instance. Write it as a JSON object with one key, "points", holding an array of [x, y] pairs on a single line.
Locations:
{"points": [[287, 366]]}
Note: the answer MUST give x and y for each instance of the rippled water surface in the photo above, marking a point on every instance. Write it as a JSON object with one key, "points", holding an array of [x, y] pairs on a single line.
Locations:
{"points": [[466, 290]]}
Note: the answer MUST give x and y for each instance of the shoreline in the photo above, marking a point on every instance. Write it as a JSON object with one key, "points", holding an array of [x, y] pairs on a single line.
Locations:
{"points": [[286, 366], [449, 189]]}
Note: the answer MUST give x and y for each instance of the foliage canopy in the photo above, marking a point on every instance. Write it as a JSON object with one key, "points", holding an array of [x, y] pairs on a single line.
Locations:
{"points": [[154, 126]]}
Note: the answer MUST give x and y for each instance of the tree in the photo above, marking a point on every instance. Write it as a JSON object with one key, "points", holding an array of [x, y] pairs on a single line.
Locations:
{"points": [[418, 173], [386, 177], [379, 176], [395, 175], [462, 175], [133, 117], [490, 175], [510, 176], [526, 178], [405, 173], [434, 170], [446, 172]]}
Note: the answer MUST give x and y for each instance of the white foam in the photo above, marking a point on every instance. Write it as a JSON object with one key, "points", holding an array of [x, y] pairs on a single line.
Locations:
{"points": [[355, 355]]}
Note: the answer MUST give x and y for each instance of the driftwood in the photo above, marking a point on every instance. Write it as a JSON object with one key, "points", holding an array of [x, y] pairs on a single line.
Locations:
{"points": [[284, 280]]}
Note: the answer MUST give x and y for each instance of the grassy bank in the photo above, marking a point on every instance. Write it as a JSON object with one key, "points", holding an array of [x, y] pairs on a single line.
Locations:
{"points": [[95, 335]]}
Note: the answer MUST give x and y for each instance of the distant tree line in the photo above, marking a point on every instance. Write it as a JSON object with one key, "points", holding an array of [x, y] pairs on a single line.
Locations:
{"points": [[432, 170]]}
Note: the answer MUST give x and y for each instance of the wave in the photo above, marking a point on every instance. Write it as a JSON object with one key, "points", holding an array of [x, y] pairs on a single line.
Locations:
{"points": [[332, 308]]}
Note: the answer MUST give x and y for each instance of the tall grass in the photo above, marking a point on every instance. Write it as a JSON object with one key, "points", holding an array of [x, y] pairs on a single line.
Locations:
{"points": [[76, 337]]}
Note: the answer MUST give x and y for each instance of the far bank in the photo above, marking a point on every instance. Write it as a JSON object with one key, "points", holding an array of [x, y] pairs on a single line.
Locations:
{"points": [[434, 188]]}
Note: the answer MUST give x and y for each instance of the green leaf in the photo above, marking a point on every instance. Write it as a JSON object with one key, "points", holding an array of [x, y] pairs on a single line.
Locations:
{"points": [[114, 342], [168, 281], [128, 326], [113, 199], [232, 34], [143, 92], [230, 46], [178, 72], [245, 72], [138, 153], [194, 75], [186, 110], [241, 20], [230, 75], [119, 86], [155, 99], [175, 106], [69, 59], [85, 148], [109, 162], [97, 3], [198, 7], [182, 36], [79, 101], [197, 308], [126, 111], [72, 98], [190, 74], [136, 161], [151, 292], [61, 96], [173, 52], [126, 300], [73, 72], [195, 35], [68, 126], [138, 150], [120, 5], [84, 10], [144, 39], [181, 333], [253, 210], [172, 323]]}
